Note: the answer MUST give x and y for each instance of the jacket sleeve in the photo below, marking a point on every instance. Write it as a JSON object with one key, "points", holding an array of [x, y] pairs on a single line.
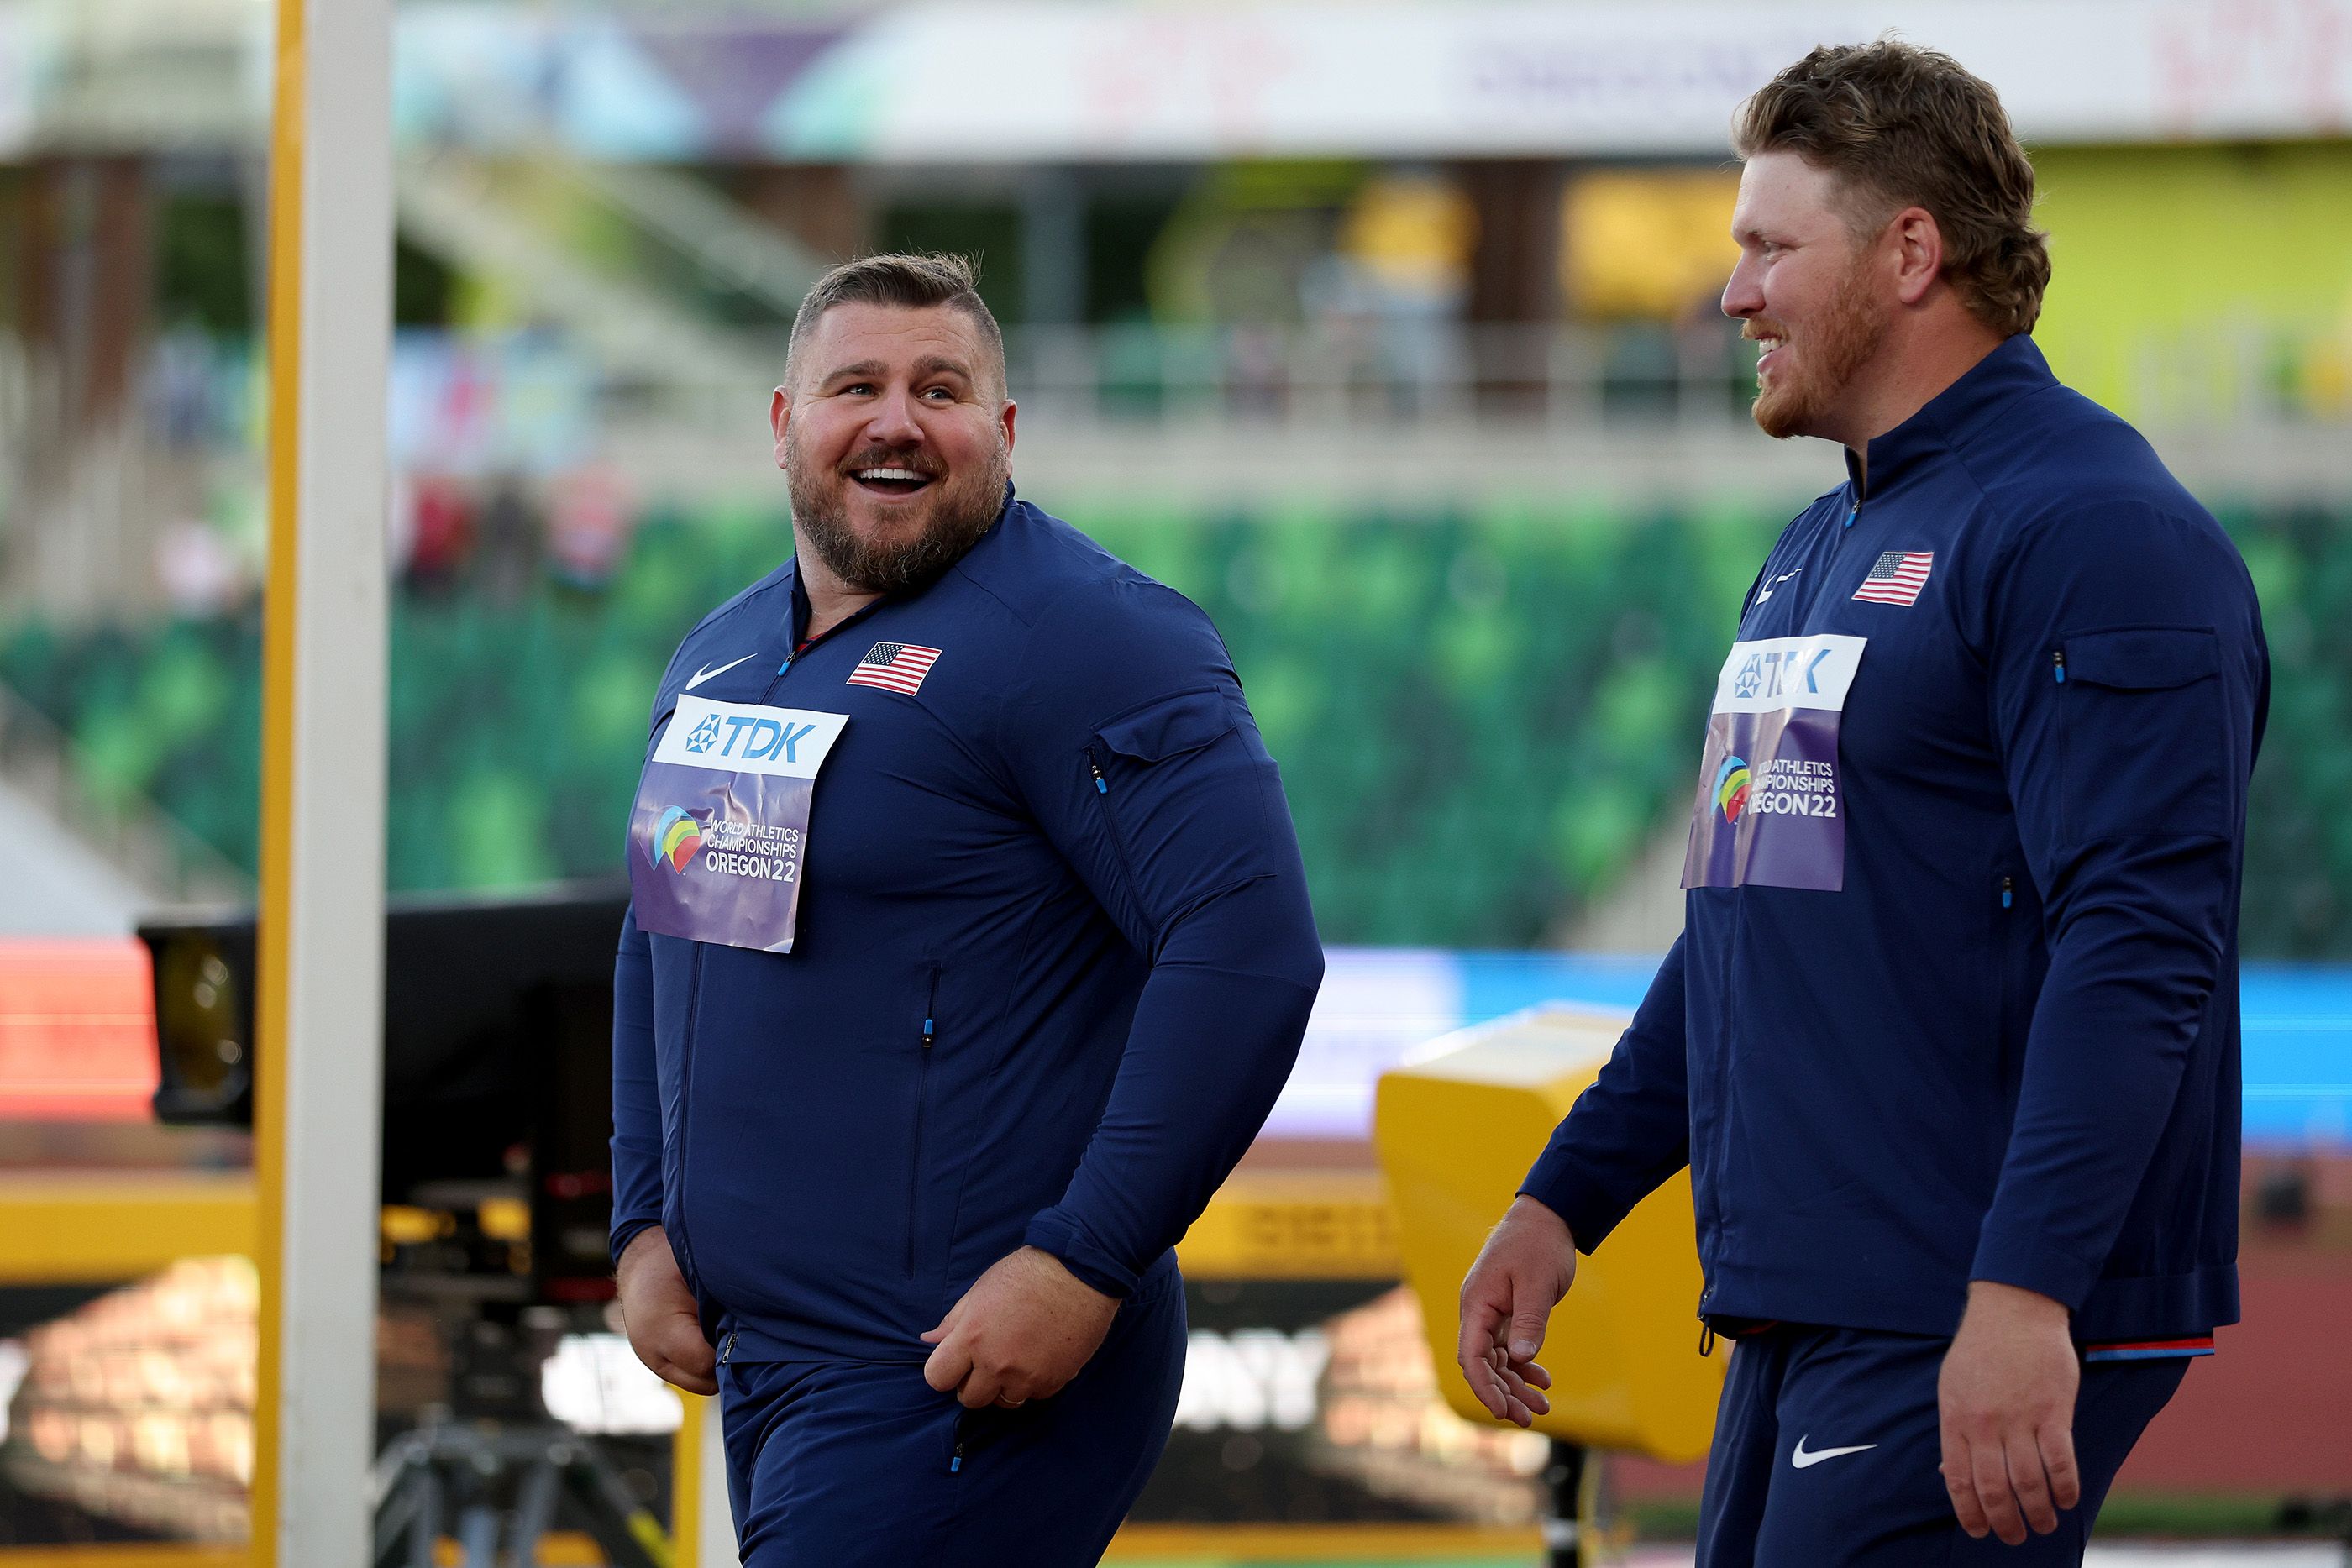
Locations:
{"points": [[637, 1098], [2129, 680], [1631, 1130], [1131, 744]]}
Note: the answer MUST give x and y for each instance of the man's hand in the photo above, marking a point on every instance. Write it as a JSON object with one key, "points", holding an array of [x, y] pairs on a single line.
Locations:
{"points": [[664, 1327], [2007, 1396], [1521, 1273], [1022, 1330]]}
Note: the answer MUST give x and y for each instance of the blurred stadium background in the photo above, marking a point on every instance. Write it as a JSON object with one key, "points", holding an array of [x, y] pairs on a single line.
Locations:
{"points": [[1388, 334]]}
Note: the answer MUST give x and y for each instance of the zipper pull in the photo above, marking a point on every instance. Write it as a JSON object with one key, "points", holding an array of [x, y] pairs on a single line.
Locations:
{"points": [[1706, 1338], [727, 1351], [2008, 892], [930, 1032], [956, 1463], [1102, 786], [2058, 663]]}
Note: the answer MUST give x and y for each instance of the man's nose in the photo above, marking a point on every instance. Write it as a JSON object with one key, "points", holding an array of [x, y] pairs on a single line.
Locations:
{"points": [[893, 421], [1742, 296]]}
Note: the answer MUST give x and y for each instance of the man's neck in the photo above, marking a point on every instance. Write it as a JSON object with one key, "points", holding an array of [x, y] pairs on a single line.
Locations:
{"points": [[1914, 374], [831, 601]]}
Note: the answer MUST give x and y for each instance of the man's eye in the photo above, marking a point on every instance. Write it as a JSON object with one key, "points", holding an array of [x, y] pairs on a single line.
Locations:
{"points": [[937, 394]]}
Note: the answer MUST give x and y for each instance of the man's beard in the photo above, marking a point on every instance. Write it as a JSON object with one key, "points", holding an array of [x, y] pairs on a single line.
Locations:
{"points": [[1845, 335], [961, 512]]}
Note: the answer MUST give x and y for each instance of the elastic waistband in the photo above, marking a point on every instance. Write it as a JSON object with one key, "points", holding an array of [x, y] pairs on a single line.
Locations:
{"points": [[2150, 1349]]}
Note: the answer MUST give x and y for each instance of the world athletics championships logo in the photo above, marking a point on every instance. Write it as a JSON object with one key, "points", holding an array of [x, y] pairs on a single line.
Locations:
{"points": [[676, 838], [1731, 789]]}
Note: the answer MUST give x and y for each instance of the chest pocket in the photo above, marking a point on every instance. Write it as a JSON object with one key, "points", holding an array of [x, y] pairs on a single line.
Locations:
{"points": [[1182, 785], [2145, 740]]}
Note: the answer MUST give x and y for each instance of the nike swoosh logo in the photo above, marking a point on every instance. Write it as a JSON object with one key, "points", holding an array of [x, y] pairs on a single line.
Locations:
{"points": [[701, 675], [1766, 593], [1803, 1460]]}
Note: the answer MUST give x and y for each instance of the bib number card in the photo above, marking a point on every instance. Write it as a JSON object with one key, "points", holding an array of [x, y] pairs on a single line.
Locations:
{"points": [[1770, 810], [718, 836]]}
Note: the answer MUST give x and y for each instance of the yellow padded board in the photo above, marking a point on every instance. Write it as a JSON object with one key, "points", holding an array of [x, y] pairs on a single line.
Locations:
{"points": [[1457, 1128]]}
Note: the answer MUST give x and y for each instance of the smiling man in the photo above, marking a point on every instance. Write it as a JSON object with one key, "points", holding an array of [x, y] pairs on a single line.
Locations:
{"points": [[1949, 1040], [969, 948]]}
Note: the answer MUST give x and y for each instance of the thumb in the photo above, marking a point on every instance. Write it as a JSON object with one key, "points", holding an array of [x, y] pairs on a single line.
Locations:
{"points": [[1530, 1313]]}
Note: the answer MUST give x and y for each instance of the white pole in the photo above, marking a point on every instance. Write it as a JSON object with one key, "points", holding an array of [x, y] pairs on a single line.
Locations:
{"points": [[320, 1065]]}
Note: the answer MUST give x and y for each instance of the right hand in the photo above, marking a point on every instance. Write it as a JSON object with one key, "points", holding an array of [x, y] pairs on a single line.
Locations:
{"points": [[1521, 1273], [664, 1324]]}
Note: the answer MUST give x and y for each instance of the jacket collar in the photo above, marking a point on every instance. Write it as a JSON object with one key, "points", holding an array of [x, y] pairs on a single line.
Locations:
{"points": [[1954, 415]]}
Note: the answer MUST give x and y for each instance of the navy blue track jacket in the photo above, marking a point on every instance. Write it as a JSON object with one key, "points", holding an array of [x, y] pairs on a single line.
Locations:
{"points": [[1054, 961], [2007, 1049]]}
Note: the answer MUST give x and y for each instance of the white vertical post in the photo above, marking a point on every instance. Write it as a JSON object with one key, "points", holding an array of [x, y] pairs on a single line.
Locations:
{"points": [[702, 1527], [319, 1066]]}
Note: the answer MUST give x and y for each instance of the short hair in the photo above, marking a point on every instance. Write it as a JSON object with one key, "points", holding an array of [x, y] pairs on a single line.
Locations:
{"points": [[909, 279], [1903, 126]]}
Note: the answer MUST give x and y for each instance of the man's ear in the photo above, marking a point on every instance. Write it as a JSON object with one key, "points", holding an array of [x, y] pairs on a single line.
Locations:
{"points": [[1011, 408], [1918, 253], [779, 414]]}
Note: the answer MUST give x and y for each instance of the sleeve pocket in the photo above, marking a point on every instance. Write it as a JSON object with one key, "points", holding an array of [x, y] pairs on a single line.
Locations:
{"points": [[2142, 658], [2145, 741], [1170, 727], [1181, 784]]}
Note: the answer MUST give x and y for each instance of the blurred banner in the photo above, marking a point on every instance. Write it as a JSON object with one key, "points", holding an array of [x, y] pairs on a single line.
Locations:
{"points": [[1059, 82]]}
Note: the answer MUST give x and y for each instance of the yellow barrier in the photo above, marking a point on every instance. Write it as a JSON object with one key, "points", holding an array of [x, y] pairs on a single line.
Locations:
{"points": [[159, 1556], [75, 1228], [1456, 1132]]}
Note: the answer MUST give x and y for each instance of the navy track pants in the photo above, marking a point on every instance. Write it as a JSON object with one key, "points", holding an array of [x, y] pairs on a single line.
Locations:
{"points": [[864, 1465], [1827, 1453]]}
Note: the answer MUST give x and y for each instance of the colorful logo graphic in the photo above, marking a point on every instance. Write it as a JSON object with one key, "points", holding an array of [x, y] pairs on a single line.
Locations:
{"points": [[1731, 788], [677, 836]]}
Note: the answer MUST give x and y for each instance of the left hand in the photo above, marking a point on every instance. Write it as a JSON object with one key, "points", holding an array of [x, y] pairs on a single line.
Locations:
{"points": [[2007, 1398], [1022, 1330]]}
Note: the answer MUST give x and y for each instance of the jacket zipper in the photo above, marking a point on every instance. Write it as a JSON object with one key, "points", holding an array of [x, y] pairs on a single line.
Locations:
{"points": [[2058, 663], [681, 1243], [922, 1098]]}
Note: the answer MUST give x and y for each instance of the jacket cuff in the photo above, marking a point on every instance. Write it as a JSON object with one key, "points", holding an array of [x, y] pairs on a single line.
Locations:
{"points": [[2032, 1263], [1589, 1210], [628, 1230], [1054, 1231]]}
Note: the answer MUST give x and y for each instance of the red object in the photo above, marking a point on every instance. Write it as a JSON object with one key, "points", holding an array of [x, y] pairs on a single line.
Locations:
{"points": [[77, 1031], [2265, 1412]]}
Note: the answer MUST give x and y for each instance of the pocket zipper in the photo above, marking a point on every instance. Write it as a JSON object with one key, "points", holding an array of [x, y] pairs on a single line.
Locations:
{"points": [[681, 1243], [2008, 892], [1110, 822], [2058, 663], [922, 1094]]}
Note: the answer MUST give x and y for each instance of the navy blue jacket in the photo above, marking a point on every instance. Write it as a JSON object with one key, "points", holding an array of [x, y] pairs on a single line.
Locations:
{"points": [[2007, 1049], [1054, 960]]}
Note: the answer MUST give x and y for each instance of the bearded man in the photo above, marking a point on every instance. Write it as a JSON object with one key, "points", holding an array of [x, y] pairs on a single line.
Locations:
{"points": [[1949, 1040], [969, 947]]}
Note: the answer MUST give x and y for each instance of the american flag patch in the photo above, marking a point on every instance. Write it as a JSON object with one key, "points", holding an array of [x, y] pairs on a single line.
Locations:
{"points": [[1896, 578], [895, 668]]}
